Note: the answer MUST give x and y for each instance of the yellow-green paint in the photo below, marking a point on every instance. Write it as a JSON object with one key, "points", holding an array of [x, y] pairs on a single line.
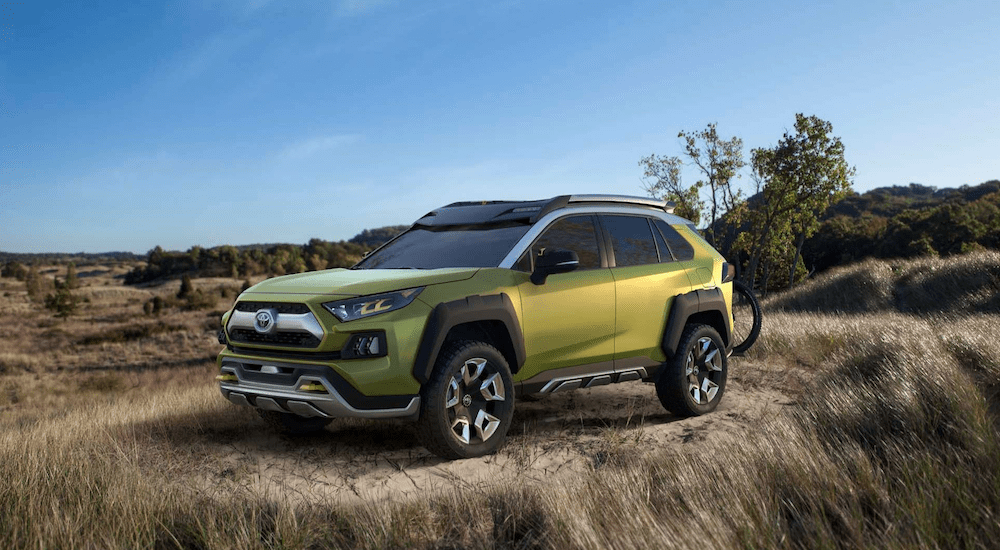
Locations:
{"points": [[580, 317]]}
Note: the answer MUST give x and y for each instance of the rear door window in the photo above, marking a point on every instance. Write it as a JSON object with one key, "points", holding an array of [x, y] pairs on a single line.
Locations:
{"points": [[631, 240]]}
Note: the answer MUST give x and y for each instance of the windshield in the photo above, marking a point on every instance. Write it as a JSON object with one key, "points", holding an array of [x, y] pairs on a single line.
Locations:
{"points": [[447, 246]]}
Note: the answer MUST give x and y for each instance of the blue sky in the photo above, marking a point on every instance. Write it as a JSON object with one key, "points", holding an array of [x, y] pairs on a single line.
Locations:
{"points": [[128, 125]]}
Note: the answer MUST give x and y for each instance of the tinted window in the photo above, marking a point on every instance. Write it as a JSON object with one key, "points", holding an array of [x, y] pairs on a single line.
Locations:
{"points": [[449, 246], [574, 233], [681, 249], [631, 240], [661, 247]]}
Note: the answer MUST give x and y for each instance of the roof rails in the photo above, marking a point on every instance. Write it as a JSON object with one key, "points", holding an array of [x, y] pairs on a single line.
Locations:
{"points": [[564, 200], [627, 199]]}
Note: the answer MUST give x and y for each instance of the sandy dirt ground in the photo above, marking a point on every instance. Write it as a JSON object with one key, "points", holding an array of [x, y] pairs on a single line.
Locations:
{"points": [[552, 439]]}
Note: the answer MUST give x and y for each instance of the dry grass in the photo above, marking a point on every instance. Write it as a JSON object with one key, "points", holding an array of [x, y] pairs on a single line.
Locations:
{"points": [[956, 284], [892, 444]]}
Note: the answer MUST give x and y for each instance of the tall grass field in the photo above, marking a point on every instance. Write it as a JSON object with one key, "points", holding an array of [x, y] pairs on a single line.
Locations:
{"points": [[112, 432]]}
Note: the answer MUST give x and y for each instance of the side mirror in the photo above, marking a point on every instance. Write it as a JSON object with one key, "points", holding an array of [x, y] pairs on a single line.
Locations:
{"points": [[552, 261]]}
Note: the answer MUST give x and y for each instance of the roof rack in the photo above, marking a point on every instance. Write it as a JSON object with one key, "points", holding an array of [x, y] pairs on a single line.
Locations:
{"points": [[564, 200], [627, 199], [531, 211]]}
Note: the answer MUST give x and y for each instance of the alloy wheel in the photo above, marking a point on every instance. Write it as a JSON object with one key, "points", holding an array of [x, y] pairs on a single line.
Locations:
{"points": [[704, 371], [473, 400]]}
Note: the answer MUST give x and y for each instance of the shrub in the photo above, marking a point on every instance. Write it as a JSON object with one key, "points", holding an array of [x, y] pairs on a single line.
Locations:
{"points": [[63, 302]]}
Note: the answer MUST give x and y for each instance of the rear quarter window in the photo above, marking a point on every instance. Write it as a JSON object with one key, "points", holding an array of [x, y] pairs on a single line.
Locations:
{"points": [[679, 246]]}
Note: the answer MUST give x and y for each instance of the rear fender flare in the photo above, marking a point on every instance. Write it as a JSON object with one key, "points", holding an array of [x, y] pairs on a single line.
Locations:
{"points": [[685, 306]]}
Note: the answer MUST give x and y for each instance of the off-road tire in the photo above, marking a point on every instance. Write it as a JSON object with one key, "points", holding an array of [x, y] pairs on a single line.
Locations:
{"points": [[744, 303], [687, 392], [449, 413], [293, 424]]}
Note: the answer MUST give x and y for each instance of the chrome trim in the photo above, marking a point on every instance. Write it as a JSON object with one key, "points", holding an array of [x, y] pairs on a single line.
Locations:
{"points": [[568, 385], [268, 404], [238, 398], [628, 376], [302, 408], [305, 322], [602, 380], [327, 405], [575, 381], [573, 210], [555, 383]]}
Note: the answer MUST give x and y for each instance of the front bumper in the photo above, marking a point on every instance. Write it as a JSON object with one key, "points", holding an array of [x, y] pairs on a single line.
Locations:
{"points": [[275, 386]]}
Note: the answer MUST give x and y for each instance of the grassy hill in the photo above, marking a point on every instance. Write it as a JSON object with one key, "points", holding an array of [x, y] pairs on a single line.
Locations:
{"points": [[926, 286]]}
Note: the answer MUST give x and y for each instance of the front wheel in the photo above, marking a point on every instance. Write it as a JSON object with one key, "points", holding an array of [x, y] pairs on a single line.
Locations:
{"points": [[467, 406], [692, 383]]}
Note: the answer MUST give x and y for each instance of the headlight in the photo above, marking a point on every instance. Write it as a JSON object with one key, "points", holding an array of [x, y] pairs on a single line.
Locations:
{"points": [[368, 306]]}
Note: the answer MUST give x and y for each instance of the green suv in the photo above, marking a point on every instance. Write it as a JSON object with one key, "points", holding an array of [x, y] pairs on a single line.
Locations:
{"points": [[479, 303]]}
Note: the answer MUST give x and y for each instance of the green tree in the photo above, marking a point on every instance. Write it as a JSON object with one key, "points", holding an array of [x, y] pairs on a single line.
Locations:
{"points": [[14, 269], [72, 281], [63, 302], [719, 161], [813, 162], [662, 179], [187, 289], [34, 283], [801, 176]]}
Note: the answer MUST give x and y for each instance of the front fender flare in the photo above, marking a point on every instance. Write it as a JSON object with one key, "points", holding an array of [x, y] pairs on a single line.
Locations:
{"points": [[446, 315]]}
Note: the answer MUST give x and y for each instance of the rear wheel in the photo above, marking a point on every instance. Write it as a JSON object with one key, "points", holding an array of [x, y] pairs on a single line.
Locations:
{"points": [[692, 383], [466, 407], [293, 424]]}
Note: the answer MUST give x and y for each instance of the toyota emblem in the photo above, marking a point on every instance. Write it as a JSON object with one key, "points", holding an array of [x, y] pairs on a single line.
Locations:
{"points": [[264, 321]]}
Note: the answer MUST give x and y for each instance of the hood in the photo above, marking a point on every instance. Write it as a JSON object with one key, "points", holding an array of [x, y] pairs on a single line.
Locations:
{"points": [[359, 282]]}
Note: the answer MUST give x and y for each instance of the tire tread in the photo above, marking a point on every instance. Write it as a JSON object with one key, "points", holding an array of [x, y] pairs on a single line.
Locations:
{"points": [[431, 418], [671, 387]]}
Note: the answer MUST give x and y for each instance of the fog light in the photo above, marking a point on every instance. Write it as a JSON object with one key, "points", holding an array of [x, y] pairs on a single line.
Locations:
{"points": [[365, 345], [312, 386], [226, 377]]}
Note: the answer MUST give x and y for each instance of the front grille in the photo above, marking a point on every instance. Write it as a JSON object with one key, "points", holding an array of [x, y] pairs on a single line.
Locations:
{"points": [[280, 307], [286, 338]]}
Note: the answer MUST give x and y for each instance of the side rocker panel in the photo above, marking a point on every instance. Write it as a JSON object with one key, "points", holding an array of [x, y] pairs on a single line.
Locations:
{"points": [[686, 305], [446, 315]]}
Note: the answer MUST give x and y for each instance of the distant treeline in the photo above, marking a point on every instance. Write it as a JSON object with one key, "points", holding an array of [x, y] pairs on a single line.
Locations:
{"points": [[79, 258], [906, 222], [887, 222], [251, 260]]}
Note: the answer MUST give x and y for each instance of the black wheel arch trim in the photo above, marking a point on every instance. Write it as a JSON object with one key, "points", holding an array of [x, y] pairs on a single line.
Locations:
{"points": [[447, 315], [708, 300]]}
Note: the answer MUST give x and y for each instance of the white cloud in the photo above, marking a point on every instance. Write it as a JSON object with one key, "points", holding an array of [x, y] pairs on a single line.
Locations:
{"points": [[312, 146]]}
